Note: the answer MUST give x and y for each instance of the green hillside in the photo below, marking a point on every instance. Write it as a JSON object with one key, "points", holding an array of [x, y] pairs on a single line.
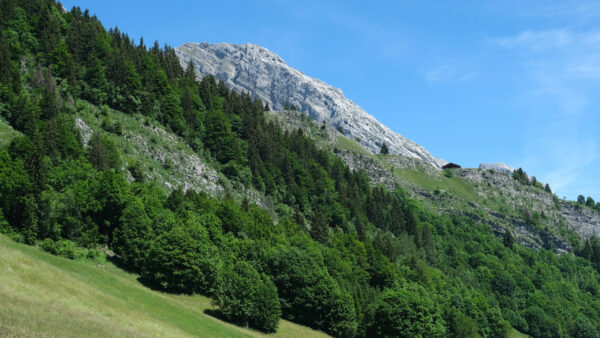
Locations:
{"points": [[531, 212], [45, 295]]}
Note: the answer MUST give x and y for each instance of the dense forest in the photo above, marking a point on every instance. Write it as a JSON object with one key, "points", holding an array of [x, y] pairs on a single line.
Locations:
{"points": [[345, 257]]}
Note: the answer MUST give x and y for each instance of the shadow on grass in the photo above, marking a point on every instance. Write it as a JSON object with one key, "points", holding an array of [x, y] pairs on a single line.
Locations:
{"points": [[215, 313], [147, 283]]}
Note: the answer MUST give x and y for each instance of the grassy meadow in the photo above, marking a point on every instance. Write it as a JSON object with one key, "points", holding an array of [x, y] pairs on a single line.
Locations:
{"points": [[47, 296]]}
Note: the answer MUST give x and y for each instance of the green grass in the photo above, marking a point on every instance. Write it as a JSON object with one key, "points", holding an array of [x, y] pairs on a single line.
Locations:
{"points": [[516, 334], [138, 130], [456, 186], [6, 134], [45, 295], [351, 145]]}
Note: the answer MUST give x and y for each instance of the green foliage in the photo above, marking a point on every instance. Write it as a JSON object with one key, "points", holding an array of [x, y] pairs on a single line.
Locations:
{"points": [[521, 176], [178, 262], [248, 298], [131, 240], [69, 249], [540, 325], [103, 153], [405, 312], [508, 240], [320, 229], [448, 173], [590, 202], [135, 169], [583, 328], [308, 294]]}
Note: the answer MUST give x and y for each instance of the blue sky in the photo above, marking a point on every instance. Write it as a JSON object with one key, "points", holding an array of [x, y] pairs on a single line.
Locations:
{"points": [[483, 81]]}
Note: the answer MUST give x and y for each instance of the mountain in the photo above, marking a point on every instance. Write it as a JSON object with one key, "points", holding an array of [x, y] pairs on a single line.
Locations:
{"points": [[490, 194], [265, 75]]}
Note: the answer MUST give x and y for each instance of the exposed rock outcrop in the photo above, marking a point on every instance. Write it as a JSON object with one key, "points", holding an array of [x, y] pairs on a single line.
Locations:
{"points": [[497, 166], [265, 75]]}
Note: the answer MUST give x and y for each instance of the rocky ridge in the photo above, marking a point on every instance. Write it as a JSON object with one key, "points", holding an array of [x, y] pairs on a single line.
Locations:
{"points": [[265, 75], [497, 166], [490, 196]]}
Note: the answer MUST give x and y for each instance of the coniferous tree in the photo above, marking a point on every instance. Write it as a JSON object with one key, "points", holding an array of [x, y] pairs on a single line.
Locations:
{"points": [[319, 230], [384, 149], [590, 202], [508, 240]]}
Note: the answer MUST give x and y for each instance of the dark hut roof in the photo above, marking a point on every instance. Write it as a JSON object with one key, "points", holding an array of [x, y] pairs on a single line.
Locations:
{"points": [[451, 165]]}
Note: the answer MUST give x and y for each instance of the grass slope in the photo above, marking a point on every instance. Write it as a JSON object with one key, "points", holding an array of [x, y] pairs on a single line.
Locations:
{"points": [[7, 133], [45, 295]]}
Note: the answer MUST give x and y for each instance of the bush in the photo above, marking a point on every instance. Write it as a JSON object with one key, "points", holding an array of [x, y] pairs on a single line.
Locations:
{"points": [[135, 169], [49, 246], [248, 298], [67, 249]]}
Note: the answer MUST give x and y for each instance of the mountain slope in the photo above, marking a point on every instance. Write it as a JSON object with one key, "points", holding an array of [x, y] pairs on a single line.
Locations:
{"points": [[265, 75], [490, 195], [45, 295]]}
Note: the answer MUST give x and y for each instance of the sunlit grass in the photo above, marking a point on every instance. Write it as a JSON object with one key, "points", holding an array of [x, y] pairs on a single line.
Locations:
{"points": [[6, 134], [45, 295]]}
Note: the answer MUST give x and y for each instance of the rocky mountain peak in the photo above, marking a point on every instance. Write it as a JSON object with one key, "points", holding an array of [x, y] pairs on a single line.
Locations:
{"points": [[255, 69]]}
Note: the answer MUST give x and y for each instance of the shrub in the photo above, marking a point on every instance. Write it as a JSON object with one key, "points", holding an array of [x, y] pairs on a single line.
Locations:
{"points": [[49, 246]]}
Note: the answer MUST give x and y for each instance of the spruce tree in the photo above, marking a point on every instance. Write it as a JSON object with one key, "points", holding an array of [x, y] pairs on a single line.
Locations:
{"points": [[508, 239], [384, 149], [319, 230]]}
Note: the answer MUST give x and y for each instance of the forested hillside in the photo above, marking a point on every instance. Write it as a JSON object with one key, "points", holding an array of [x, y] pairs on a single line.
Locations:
{"points": [[344, 257]]}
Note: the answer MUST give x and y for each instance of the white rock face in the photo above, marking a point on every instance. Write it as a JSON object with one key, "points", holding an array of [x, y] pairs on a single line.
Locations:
{"points": [[497, 166], [265, 75]]}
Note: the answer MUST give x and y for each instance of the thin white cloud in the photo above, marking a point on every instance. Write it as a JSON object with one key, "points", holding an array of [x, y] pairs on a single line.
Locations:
{"points": [[559, 150], [580, 10], [562, 68], [537, 40], [447, 73]]}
